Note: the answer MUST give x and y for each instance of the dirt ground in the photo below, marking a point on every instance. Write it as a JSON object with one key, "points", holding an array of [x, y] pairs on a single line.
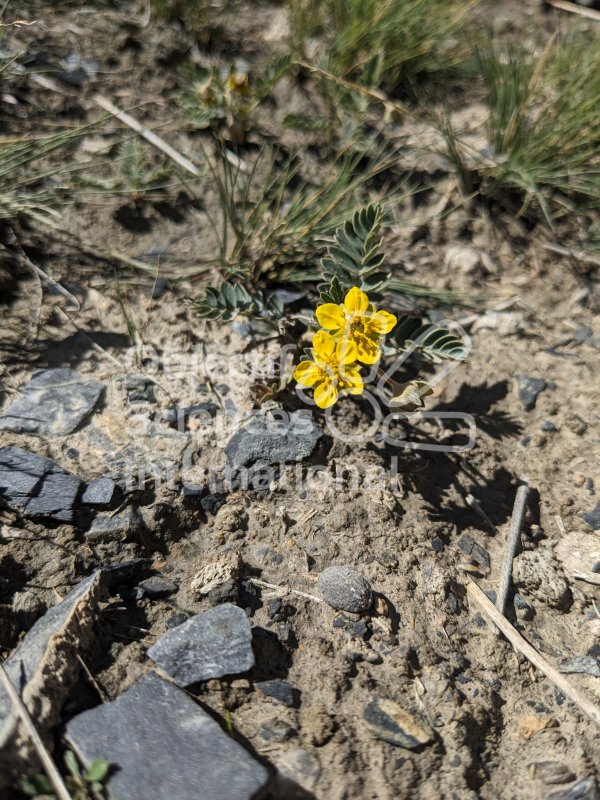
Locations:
{"points": [[425, 645]]}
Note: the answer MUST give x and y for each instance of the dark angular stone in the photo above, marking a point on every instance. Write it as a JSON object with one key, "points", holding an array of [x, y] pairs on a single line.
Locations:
{"points": [[529, 389], [163, 744], [279, 690], [271, 441], [156, 587], [473, 549], [36, 486], [140, 389], [209, 645], [54, 403], [548, 427]]}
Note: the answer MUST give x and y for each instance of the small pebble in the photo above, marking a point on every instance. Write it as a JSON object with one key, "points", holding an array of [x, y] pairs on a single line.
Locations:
{"points": [[345, 589], [156, 587], [548, 427]]}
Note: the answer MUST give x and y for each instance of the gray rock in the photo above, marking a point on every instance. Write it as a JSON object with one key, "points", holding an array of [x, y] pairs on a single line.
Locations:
{"points": [[270, 441], [592, 518], [114, 527], [584, 665], [279, 690], [54, 402], [43, 669], [584, 789], [345, 589], [388, 721], [156, 587], [163, 744], [140, 389], [209, 645], [277, 730], [474, 550], [102, 492], [552, 772], [548, 427], [36, 486], [529, 389]]}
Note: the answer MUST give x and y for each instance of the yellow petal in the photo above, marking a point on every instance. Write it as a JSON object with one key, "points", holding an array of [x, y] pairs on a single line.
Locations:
{"points": [[356, 300], [326, 394], [351, 381], [368, 350], [346, 351], [307, 373], [323, 345], [381, 322], [330, 316]]}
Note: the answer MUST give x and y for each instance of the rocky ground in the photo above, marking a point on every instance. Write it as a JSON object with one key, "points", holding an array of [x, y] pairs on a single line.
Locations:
{"points": [[212, 592]]}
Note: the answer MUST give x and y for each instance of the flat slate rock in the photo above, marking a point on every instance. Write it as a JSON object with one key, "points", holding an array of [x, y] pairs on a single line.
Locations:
{"points": [[163, 745], [43, 669], [270, 441], [54, 403], [101, 493], [114, 527], [209, 645], [36, 486]]}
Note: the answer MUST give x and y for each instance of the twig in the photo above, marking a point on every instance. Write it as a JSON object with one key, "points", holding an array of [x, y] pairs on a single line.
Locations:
{"points": [[50, 767], [148, 135], [588, 577], [565, 5], [283, 589], [532, 655], [578, 255], [477, 508], [512, 542]]}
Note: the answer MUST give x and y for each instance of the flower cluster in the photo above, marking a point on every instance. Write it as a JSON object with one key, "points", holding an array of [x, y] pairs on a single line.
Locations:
{"points": [[351, 333]]}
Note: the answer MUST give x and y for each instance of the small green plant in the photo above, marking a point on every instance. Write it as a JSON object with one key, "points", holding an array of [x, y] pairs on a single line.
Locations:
{"points": [[87, 785], [135, 176], [226, 100], [382, 43]]}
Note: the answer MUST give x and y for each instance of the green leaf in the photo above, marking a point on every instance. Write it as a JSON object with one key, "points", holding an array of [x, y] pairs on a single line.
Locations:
{"points": [[71, 763], [437, 345], [233, 299], [355, 257], [97, 771]]}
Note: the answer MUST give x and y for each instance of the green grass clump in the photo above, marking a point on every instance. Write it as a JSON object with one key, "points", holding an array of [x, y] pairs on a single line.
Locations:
{"points": [[543, 127], [387, 44]]}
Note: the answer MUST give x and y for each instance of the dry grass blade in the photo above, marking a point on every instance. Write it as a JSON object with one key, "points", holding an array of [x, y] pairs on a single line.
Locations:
{"points": [[512, 542], [565, 5], [50, 767], [532, 655]]}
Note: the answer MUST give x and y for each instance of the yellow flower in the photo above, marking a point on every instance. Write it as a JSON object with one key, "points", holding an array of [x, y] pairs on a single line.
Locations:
{"points": [[358, 321], [332, 372]]}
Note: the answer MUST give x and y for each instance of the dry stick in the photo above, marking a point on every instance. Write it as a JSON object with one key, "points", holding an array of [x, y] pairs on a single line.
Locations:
{"points": [[148, 135], [532, 655], [512, 542], [283, 589], [565, 5], [49, 766]]}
